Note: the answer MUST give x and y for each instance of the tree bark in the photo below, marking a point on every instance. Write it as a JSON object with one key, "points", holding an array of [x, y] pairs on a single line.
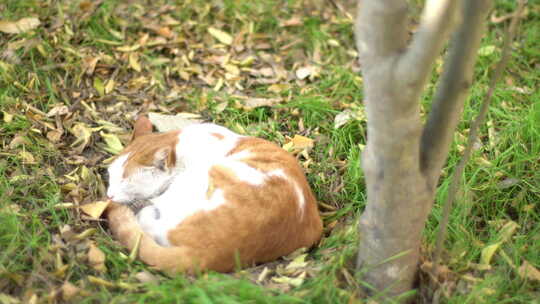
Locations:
{"points": [[398, 166]]}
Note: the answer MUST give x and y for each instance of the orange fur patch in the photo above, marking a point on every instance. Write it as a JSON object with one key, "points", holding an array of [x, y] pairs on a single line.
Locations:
{"points": [[144, 149]]}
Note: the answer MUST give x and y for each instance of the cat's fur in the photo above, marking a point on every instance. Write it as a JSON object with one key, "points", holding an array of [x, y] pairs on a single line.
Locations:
{"points": [[218, 199]]}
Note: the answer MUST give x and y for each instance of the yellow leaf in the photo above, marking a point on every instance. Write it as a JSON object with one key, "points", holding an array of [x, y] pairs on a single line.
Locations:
{"points": [[128, 48], [508, 230], [109, 86], [96, 258], [94, 210], [526, 270], [27, 157], [298, 262], [221, 36], [134, 62], [291, 281], [114, 145], [302, 142], [488, 252], [19, 26], [7, 117]]}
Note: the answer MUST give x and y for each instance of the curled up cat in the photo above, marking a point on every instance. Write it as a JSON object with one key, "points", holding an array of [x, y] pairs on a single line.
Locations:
{"points": [[217, 200]]}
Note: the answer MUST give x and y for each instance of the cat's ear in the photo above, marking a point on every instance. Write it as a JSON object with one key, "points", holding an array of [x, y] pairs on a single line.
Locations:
{"points": [[141, 126], [164, 158]]}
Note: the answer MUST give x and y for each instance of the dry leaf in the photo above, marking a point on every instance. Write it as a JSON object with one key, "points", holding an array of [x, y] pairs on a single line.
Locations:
{"points": [[303, 72], [27, 158], [146, 277], [508, 230], [291, 281], [54, 135], [95, 210], [114, 145], [69, 291], [252, 103], [343, 118], [294, 21], [528, 271], [134, 62], [298, 262], [164, 123], [96, 258], [58, 110], [7, 117], [19, 26], [302, 142], [221, 36]]}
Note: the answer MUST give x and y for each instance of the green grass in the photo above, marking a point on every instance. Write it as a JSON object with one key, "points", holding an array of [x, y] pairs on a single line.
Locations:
{"points": [[48, 67]]}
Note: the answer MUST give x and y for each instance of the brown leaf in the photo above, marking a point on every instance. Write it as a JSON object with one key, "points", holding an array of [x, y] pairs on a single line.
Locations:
{"points": [[252, 103], [302, 142], [69, 291], [528, 271], [166, 123], [294, 21], [94, 210], [19, 26], [146, 277], [96, 258]]}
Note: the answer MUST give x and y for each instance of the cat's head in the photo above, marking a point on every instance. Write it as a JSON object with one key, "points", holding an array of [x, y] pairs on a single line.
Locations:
{"points": [[145, 168]]}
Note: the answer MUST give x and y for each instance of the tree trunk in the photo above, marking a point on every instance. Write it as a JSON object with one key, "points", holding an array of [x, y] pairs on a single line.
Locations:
{"points": [[403, 158]]}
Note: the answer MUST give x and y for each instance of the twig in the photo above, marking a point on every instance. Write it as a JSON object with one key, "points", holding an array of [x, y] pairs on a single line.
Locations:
{"points": [[473, 135]]}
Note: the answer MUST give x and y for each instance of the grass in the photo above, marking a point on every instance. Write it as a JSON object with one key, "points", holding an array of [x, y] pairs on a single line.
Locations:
{"points": [[52, 66]]}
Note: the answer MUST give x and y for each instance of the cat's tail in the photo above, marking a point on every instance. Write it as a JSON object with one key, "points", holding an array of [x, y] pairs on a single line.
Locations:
{"points": [[125, 228]]}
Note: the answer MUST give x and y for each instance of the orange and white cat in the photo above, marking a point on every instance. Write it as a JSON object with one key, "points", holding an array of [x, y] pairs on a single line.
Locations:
{"points": [[218, 200]]}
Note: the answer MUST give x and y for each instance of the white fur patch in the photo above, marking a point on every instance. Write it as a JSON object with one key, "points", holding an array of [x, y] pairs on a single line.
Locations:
{"points": [[116, 170]]}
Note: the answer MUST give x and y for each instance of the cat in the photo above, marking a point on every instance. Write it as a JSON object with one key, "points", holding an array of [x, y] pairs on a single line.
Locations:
{"points": [[217, 200]]}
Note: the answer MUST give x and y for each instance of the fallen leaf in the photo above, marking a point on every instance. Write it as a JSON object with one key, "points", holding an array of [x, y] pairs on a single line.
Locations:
{"points": [[69, 291], [486, 50], [343, 118], [164, 123], [146, 277], [507, 231], [95, 210], [54, 135], [98, 85], [298, 262], [302, 142], [134, 62], [488, 252], [109, 86], [7, 117], [27, 157], [294, 21], [58, 110], [114, 145], [252, 103], [291, 281], [528, 271], [19, 26], [303, 73], [96, 258], [220, 35]]}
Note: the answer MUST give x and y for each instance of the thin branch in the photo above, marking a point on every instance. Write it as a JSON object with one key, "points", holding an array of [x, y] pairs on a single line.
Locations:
{"points": [[435, 25], [473, 135], [381, 30], [452, 90]]}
